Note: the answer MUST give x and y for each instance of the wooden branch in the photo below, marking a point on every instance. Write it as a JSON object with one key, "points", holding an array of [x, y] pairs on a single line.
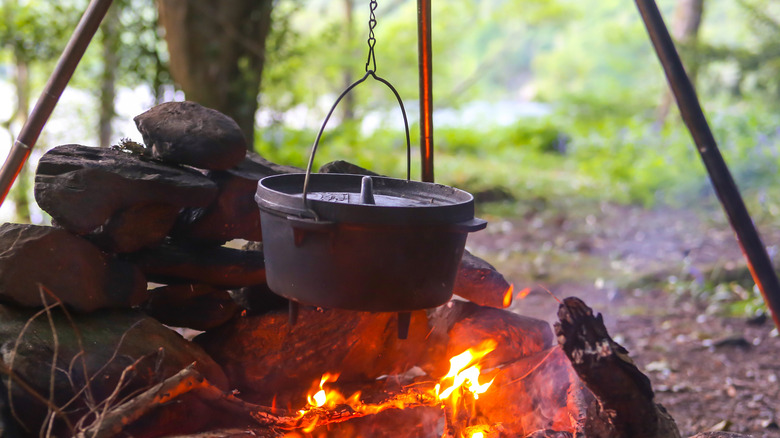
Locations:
{"points": [[113, 421], [189, 380], [624, 405]]}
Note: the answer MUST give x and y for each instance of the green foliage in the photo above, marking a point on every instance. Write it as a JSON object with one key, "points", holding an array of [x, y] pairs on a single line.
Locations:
{"points": [[35, 30]]}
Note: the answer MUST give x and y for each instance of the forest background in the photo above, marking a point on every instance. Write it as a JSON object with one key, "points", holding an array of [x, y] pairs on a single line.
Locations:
{"points": [[558, 102]]}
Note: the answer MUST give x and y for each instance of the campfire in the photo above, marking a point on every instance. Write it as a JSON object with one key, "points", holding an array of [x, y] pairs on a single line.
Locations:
{"points": [[138, 248]]}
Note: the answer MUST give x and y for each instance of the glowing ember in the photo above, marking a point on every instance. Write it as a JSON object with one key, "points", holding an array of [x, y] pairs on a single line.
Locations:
{"points": [[523, 293], [478, 435], [508, 296]]}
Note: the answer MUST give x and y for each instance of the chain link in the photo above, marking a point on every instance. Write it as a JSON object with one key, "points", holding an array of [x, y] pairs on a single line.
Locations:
{"points": [[371, 61]]}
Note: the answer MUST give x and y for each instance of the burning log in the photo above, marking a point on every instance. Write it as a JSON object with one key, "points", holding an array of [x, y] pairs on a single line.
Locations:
{"points": [[479, 282], [624, 405], [265, 357]]}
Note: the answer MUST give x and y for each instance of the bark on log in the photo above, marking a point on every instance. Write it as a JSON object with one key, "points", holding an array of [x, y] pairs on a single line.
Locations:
{"points": [[479, 282], [624, 405]]}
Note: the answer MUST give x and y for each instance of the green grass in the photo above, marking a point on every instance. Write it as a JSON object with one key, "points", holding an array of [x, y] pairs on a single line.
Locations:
{"points": [[611, 157]]}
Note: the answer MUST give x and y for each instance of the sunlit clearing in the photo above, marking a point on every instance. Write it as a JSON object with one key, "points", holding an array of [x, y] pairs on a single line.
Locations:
{"points": [[508, 296]]}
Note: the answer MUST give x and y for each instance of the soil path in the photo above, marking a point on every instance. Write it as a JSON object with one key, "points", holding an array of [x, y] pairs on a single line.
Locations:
{"points": [[650, 273]]}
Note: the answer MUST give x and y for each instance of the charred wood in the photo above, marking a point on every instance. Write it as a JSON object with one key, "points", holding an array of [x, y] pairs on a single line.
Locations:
{"points": [[624, 405]]}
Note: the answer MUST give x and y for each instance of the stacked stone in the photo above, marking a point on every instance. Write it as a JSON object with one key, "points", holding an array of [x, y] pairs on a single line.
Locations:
{"points": [[124, 218], [132, 214]]}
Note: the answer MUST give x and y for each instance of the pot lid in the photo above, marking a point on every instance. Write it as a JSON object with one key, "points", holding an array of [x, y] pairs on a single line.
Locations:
{"points": [[337, 198]]}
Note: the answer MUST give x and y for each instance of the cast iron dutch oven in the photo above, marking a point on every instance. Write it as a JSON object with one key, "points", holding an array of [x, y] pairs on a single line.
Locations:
{"points": [[363, 243], [336, 248]]}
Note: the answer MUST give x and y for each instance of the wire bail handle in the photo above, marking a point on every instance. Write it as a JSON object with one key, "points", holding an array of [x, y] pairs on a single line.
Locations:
{"points": [[371, 61]]}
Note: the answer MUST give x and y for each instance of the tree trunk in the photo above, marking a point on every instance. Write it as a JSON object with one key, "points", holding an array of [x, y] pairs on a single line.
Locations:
{"points": [[217, 52], [110, 40], [349, 100], [685, 29]]}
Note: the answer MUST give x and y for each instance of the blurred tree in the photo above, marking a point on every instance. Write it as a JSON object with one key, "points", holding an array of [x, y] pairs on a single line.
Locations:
{"points": [[685, 29], [32, 32], [758, 58], [110, 39], [132, 53], [217, 53]]}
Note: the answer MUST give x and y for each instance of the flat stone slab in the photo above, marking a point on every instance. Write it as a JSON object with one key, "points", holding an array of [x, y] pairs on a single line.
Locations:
{"points": [[234, 213], [82, 187], [136, 227], [195, 306], [216, 266], [39, 259], [189, 133]]}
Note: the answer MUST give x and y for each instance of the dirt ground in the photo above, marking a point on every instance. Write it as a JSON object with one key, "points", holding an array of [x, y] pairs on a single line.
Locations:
{"points": [[646, 272]]}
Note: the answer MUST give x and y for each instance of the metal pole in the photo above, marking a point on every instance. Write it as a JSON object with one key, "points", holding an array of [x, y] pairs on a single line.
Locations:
{"points": [[59, 78], [753, 249], [426, 87]]}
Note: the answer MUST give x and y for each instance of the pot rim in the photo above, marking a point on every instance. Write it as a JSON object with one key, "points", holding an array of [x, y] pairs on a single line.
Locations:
{"points": [[429, 203]]}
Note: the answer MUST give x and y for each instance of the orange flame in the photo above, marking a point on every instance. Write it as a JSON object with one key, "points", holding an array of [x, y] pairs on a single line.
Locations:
{"points": [[321, 397], [523, 293], [463, 376], [508, 296], [464, 372]]}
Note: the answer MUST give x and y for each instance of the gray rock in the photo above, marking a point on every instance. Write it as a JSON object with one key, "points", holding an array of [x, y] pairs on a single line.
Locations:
{"points": [[191, 134], [95, 348], [82, 187], [37, 258], [341, 166], [234, 214], [258, 299], [216, 266], [195, 306], [136, 227]]}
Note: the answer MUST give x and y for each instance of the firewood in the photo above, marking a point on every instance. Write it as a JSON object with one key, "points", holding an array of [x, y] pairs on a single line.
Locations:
{"points": [[624, 405], [479, 282]]}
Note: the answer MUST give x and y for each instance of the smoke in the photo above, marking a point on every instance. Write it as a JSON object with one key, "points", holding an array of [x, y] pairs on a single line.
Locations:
{"points": [[539, 392]]}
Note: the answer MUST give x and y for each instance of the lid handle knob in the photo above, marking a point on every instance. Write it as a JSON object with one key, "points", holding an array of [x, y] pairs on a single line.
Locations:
{"points": [[367, 191]]}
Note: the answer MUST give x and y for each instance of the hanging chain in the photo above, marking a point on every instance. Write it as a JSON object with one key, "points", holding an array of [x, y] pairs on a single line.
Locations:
{"points": [[371, 40]]}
